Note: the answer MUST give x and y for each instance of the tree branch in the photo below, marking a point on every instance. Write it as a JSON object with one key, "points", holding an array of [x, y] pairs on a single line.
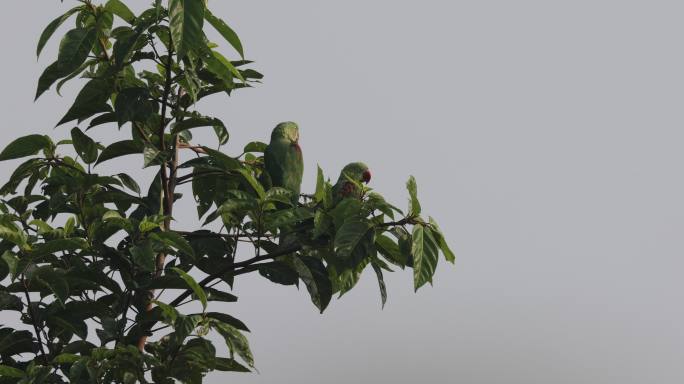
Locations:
{"points": [[60, 162], [232, 267], [166, 185], [404, 221], [214, 234], [195, 148], [32, 318], [190, 176], [247, 266]]}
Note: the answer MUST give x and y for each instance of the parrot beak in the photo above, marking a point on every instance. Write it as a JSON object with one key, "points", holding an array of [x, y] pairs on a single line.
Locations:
{"points": [[367, 177]]}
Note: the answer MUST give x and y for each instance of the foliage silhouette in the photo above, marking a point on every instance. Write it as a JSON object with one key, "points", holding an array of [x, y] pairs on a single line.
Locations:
{"points": [[86, 257]]}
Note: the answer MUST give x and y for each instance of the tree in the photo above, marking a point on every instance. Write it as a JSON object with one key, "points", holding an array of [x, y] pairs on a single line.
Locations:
{"points": [[86, 257]]}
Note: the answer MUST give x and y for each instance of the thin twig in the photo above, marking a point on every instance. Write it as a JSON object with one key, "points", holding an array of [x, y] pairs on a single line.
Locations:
{"points": [[190, 176], [195, 148]]}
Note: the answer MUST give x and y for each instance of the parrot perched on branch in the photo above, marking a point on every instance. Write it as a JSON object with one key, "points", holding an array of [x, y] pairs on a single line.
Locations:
{"points": [[344, 187], [283, 158]]}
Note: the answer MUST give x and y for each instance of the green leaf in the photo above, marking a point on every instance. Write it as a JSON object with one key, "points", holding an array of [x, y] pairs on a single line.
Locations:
{"points": [[144, 256], [320, 186], [251, 74], [284, 219], [228, 319], [186, 20], [150, 154], [54, 281], [376, 201], [280, 195], [123, 47], [133, 104], [42, 226], [25, 146], [425, 255], [52, 27], [225, 63], [91, 100], [220, 66], [233, 210], [381, 283], [229, 365], [225, 162], [66, 358], [348, 278], [199, 292], [247, 175], [390, 250], [169, 313], [78, 368], [195, 122], [12, 262], [51, 74], [350, 236], [7, 371], [13, 235], [193, 359], [75, 326], [439, 236], [9, 302], [236, 342], [129, 182], [120, 9], [105, 118], [166, 282], [120, 148], [73, 74], [221, 133], [216, 295], [74, 48], [146, 225], [414, 206], [346, 209], [4, 269], [225, 31], [84, 145], [322, 224], [255, 146], [174, 240], [60, 245], [14, 342], [315, 277], [279, 273]]}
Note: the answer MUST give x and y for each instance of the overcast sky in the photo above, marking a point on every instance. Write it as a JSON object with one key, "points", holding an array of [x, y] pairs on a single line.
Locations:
{"points": [[546, 138]]}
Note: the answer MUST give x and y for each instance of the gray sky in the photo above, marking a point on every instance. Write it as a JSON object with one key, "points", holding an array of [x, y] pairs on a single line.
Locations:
{"points": [[546, 138]]}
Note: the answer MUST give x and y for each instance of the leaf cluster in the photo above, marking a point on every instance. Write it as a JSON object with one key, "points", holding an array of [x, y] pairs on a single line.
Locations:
{"points": [[91, 263]]}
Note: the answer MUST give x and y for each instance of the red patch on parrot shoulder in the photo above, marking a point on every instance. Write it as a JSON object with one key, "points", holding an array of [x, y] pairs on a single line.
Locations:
{"points": [[367, 177], [297, 147], [348, 189]]}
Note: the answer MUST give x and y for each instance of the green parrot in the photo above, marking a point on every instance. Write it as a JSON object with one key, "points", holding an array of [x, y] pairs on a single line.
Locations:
{"points": [[344, 187], [283, 159]]}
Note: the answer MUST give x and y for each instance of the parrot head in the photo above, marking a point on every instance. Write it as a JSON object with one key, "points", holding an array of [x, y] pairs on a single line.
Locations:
{"points": [[356, 171], [287, 131]]}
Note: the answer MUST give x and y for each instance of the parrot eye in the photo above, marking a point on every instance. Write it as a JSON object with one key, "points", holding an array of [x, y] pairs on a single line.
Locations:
{"points": [[367, 177]]}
